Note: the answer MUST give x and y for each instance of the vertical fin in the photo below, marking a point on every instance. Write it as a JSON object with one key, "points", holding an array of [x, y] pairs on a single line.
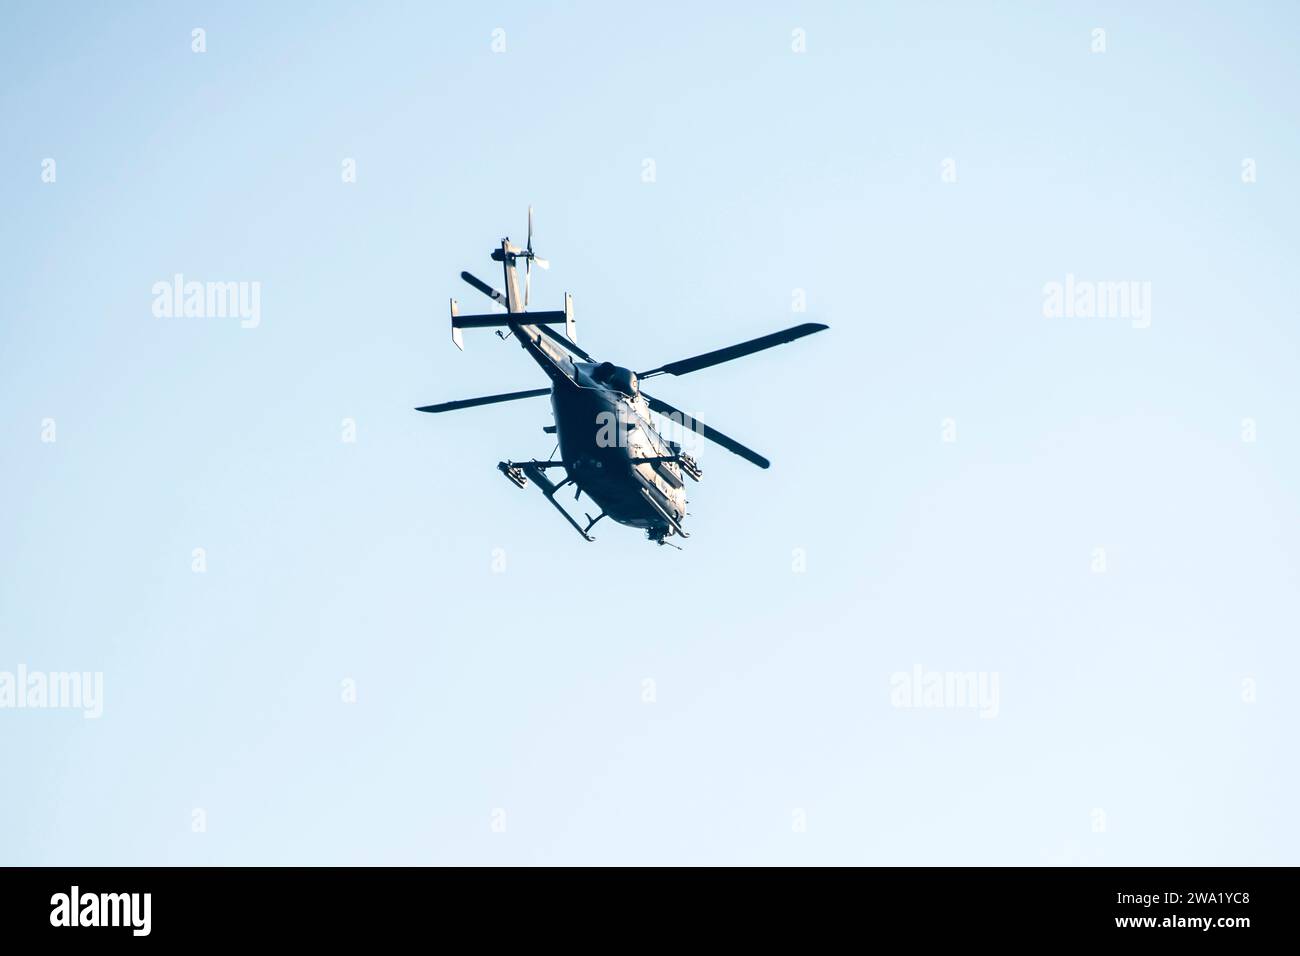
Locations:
{"points": [[456, 336]]}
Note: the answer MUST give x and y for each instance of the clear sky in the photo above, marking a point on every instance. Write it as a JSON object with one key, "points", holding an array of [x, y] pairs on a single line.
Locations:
{"points": [[1068, 506]]}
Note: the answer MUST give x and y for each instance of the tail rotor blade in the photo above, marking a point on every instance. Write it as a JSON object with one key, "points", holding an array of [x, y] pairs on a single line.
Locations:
{"points": [[530, 257]]}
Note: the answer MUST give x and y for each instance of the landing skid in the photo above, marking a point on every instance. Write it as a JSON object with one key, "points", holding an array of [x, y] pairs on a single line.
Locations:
{"points": [[520, 472]]}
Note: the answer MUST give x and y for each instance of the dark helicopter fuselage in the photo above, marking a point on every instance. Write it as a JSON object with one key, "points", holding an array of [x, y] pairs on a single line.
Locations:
{"points": [[606, 436]]}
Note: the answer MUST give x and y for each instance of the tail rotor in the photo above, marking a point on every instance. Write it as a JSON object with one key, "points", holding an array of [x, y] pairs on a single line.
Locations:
{"points": [[529, 258]]}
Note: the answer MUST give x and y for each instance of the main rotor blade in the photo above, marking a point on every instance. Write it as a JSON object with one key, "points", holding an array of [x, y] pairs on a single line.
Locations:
{"points": [[712, 434], [565, 341], [718, 356], [485, 400], [483, 287]]}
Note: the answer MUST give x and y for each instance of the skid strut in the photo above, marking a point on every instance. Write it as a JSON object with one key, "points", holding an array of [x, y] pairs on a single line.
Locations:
{"points": [[520, 472]]}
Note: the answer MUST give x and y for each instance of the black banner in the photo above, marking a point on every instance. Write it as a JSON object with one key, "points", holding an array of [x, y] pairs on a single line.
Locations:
{"points": [[174, 905]]}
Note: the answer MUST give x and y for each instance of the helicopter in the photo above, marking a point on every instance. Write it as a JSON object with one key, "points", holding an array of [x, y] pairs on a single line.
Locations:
{"points": [[609, 448]]}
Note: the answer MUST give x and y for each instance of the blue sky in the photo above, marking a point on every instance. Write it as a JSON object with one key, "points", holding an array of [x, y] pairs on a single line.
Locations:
{"points": [[1143, 713]]}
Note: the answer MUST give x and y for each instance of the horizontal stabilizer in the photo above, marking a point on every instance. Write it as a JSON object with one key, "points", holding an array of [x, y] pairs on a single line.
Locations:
{"points": [[492, 320]]}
